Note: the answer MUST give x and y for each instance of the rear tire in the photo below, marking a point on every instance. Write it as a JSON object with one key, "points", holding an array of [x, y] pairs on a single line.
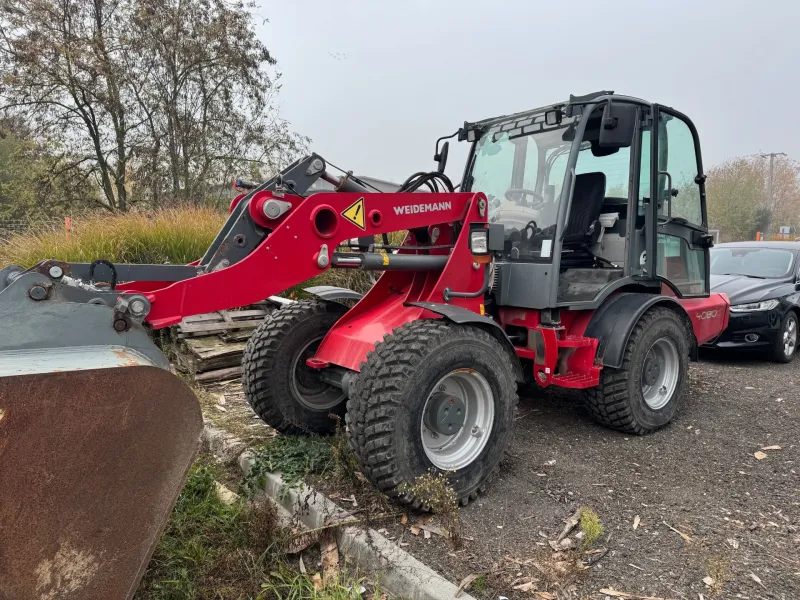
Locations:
{"points": [[279, 387], [785, 346], [644, 393], [414, 367]]}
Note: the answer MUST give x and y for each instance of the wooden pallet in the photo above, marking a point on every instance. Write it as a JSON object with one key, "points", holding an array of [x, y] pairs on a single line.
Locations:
{"points": [[210, 346]]}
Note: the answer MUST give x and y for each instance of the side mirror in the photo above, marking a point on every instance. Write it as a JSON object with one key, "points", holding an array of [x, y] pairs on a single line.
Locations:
{"points": [[441, 157], [616, 128]]}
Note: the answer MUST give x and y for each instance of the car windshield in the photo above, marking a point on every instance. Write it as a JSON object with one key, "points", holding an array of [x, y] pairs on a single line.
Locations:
{"points": [[771, 263]]}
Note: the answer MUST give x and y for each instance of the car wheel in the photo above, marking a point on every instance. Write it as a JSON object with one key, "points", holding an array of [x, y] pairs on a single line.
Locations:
{"points": [[786, 343]]}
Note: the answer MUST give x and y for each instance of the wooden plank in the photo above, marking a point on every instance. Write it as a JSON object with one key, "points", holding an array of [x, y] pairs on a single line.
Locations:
{"points": [[220, 374], [219, 327]]}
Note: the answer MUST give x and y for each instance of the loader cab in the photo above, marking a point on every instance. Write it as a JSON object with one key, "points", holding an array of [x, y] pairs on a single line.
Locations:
{"points": [[571, 184]]}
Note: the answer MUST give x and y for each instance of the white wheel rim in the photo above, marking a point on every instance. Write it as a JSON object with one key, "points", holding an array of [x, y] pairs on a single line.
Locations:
{"points": [[664, 363], [456, 451], [790, 337]]}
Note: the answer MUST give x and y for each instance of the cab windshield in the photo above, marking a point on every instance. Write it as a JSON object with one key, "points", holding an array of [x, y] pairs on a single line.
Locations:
{"points": [[522, 176]]}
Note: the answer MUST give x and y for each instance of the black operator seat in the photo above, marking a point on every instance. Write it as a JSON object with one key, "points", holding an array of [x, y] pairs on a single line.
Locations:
{"points": [[583, 225]]}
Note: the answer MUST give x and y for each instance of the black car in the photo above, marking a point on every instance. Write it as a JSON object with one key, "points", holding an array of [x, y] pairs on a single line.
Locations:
{"points": [[762, 281]]}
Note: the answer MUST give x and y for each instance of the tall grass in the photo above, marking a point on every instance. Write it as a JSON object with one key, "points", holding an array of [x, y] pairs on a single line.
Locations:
{"points": [[178, 236]]}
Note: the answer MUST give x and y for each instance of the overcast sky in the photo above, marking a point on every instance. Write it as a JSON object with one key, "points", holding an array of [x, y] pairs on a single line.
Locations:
{"points": [[375, 82]]}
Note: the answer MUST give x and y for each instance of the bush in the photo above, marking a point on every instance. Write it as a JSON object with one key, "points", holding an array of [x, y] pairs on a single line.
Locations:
{"points": [[178, 236]]}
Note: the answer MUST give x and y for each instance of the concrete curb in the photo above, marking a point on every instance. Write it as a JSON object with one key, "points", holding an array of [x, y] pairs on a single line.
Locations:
{"points": [[401, 574]]}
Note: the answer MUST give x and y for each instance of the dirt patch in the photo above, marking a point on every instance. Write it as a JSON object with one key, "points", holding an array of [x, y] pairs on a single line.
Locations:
{"points": [[704, 506]]}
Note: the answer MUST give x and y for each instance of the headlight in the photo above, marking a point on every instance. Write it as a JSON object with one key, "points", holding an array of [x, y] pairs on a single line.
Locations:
{"points": [[479, 241], [756, 306]]}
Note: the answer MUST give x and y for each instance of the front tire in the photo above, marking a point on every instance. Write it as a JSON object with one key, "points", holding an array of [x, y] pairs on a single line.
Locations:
{"points": [[786, 343], [643, 395], [278, 385], [403, 413]]}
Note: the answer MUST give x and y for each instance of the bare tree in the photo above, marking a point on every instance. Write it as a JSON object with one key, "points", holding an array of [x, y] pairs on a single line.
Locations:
{"points": [[159, 100]]}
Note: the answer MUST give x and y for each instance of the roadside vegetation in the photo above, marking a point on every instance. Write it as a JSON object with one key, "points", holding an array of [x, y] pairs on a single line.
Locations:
{"points": [[221, 546]]}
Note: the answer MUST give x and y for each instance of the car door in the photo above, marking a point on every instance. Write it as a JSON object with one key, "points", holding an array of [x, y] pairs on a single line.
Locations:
{"points": [[681, 227]]}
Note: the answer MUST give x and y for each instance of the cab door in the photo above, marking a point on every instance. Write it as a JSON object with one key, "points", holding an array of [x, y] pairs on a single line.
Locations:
{"points": [[679, 226]]}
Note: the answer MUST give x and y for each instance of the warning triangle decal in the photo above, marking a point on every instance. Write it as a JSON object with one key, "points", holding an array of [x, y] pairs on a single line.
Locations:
{"points": [[355, 213]]}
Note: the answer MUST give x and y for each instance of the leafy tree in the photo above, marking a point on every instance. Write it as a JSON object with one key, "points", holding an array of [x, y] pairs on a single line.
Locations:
{"points": [[735, 191]]}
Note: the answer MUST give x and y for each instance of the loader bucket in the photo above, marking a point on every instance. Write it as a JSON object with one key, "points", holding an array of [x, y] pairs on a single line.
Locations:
{"points": [[96, 440]]}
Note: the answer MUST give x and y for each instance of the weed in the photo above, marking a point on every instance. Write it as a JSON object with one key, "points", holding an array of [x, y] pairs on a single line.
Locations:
{"points": [[436, 494], [591, 526], [210, 549], [287, 585], [293, 457], [345, 462], [480, 585], [719, 567]]}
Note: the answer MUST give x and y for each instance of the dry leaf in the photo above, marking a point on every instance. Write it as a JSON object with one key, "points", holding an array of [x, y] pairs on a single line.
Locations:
{"points": [[571, 523], [302, 566], [636, 520], [734, 543], [225, 495], [436, 530], [760, 455], [317, 581], [614, 593], [302, 541], [545, 595], [330, 557], [772, 448], [221, 408], [755, 578], [708, 580], [426, 534], [465, 583], [414, 530], [525, 587], [680, 533], [404, 520]]}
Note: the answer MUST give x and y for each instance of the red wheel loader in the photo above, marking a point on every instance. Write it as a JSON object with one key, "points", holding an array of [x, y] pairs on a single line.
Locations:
{"points": [[575, 255]]}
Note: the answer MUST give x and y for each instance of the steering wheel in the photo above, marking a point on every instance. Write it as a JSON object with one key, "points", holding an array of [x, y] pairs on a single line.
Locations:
{"points": [[537, 202]]}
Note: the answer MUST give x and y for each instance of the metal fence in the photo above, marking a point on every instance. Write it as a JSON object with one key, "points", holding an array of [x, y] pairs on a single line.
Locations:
{"points": [[9, 227]]}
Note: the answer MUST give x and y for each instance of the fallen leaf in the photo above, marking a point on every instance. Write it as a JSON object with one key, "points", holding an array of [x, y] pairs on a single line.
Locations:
{"points": [[404, 520], [302, 566], [301, 541], [636, 520], [426, 534], [466, 582], [414, 530], [545, 595], [225, 495], [525, 587], [708, 580], [755, 578], [437, 530], [760, 455], [776, 447], [614, 593], [221, 408], [316, 580], [734, 543], [330, 556]]}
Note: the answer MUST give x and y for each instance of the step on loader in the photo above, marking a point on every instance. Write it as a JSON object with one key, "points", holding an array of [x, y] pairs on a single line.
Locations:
{"points": [[575, 254]]}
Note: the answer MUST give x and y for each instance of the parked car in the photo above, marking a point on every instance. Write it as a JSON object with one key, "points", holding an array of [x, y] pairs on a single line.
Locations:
{"points": [[762, 281]]}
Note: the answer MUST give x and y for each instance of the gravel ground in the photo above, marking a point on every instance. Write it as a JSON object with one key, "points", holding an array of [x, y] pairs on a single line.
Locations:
{"points": [[741, 515], [706, 506]]}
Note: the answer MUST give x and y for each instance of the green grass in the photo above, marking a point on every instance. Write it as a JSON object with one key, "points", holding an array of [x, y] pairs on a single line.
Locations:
{"points": [[286, 585], [591, 526], [210, 550]]}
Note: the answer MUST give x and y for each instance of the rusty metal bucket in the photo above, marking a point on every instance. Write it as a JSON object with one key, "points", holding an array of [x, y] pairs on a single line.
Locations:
{"points": [[96, 441]]}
